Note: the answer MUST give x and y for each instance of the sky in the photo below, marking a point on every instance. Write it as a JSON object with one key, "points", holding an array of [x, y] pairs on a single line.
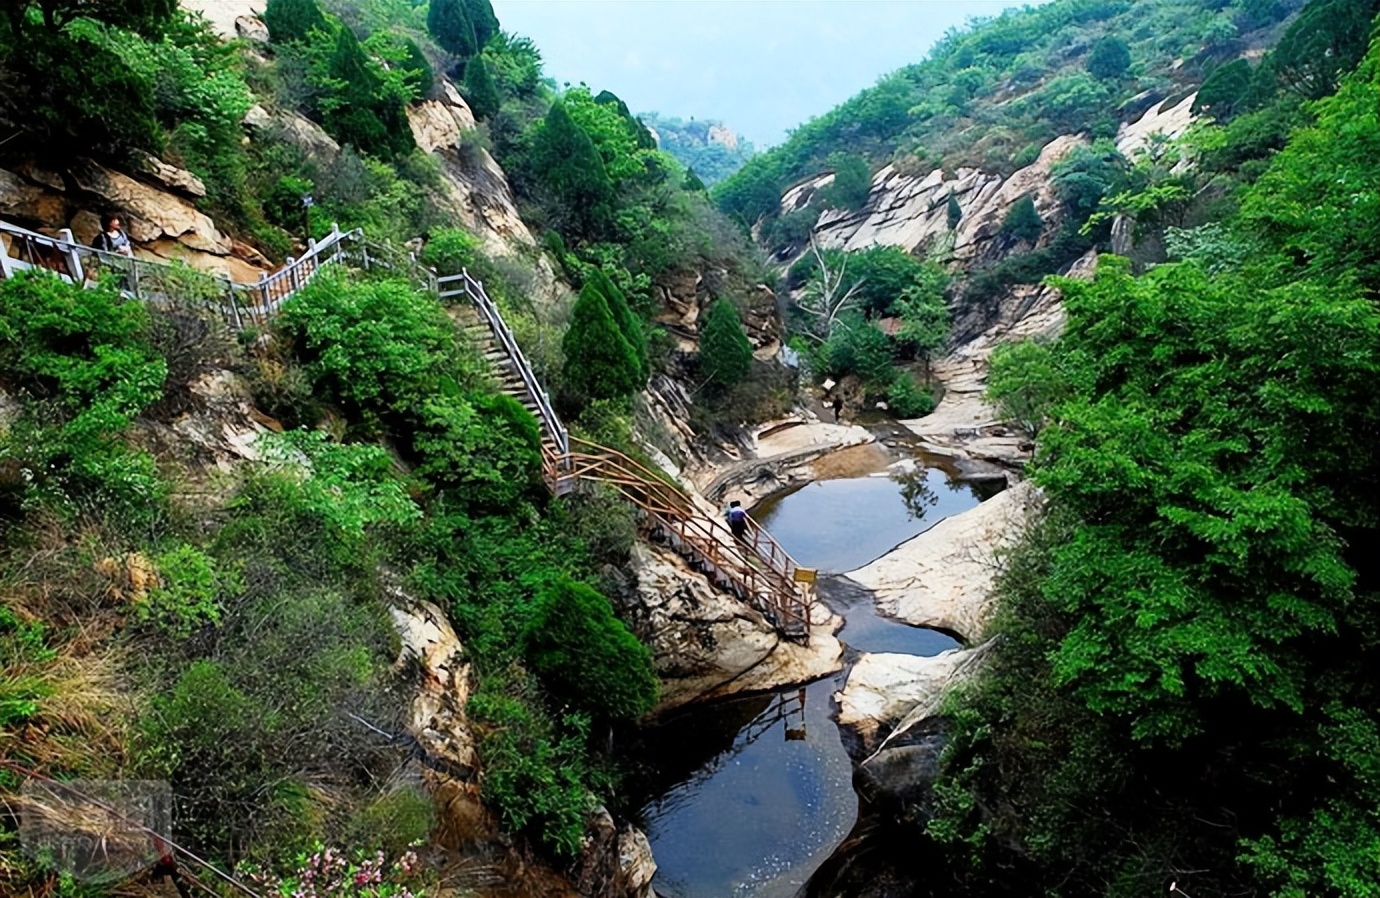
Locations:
{"points": [[760, 66]]}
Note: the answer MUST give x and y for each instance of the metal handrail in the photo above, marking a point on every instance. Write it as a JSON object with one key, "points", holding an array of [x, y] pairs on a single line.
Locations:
{"points": [[488, 310]]}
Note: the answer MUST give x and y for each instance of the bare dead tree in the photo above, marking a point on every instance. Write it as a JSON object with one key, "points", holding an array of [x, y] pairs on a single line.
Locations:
{"points": [[828, 294]]}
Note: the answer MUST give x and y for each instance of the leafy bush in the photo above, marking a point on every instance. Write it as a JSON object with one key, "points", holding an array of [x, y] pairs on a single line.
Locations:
{"points": [[586, 656], [1022, 221], [188, 593], [536, 774], [485, 447], [375, 347], [599, 361], [907, 399], [725, 353]]}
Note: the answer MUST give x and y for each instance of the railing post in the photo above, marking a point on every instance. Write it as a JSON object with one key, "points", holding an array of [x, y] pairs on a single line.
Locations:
{"points": [[5, 270], [73, 258]]}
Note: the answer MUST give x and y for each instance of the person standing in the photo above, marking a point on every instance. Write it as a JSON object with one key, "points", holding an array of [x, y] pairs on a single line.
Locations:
{"points": [[112, 238], [737, 519]]}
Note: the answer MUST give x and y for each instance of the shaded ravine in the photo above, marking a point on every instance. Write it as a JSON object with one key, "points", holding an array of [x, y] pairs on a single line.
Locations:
{"points": [[750, 795]]}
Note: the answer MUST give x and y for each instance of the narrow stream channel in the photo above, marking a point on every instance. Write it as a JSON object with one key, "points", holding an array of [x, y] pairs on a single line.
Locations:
{"points": [[747, 797]]}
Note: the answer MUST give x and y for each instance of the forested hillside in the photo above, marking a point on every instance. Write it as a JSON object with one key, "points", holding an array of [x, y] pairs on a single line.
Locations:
{"points": [[1180, 688], [191, 600], [707, 147]]}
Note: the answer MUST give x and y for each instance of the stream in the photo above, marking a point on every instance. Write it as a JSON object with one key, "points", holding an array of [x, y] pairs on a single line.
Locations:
{"points": [[748, 796]]}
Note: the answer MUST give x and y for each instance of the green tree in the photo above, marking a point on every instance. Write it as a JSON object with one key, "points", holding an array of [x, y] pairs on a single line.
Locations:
{"points": [[1025, 383], [586, 656], [599, 362], [564, 158], [448, 22], [363, 112], [1325, 42], [1109, 58], [924, 320], [629, 325], [852, 183], [1023, 221], [725, 353], [418, 69], [481, 16], [293, 21], [953, 212], [480, 91]]}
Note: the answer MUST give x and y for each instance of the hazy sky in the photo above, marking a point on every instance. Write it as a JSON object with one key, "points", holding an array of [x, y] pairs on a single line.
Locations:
{"points": [[761, 66]]}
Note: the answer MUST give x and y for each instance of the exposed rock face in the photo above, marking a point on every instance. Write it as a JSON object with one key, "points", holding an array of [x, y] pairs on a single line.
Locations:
{"points": [[152, 214], [706, 643], [780, 454], [943, 577], [912, 212], [1167, 119], [223, 14], [616, 861], [964, 424]]}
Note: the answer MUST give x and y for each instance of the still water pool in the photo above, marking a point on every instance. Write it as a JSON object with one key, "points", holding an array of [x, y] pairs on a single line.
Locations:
{"points": [[745, 798]]}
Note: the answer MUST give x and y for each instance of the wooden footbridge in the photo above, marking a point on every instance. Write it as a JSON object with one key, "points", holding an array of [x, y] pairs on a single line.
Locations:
{"points": [[755, 568]]}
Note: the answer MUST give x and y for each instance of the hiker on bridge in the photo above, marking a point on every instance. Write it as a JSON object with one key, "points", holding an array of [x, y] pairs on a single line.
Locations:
{"points": [[737, 519]]}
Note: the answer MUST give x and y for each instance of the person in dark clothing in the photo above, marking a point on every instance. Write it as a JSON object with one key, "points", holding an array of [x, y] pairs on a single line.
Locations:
{"points": [[112, 238], [737, 519], [838, 408]]}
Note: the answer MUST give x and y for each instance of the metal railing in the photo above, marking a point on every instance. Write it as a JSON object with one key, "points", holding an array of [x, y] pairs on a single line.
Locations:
{"points": [[757, 568], [463, 284]]}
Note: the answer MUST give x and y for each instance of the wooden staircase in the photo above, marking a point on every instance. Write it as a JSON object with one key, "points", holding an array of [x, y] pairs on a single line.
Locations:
{"points": [[755, 569]]}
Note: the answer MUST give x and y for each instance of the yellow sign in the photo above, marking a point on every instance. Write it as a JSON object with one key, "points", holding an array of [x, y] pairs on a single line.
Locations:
{"points": [[805, 574]]}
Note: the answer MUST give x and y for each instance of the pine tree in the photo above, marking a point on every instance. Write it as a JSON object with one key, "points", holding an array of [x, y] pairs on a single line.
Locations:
{"points": [[449, 23], [482, 19], [293, 20], [1023, 221], [1109, 58], [417, 67], [725, 353], [480, 91], [692, 182], [599, 363], [954, 211], [364, 116], [628, 322], [565, 159]]}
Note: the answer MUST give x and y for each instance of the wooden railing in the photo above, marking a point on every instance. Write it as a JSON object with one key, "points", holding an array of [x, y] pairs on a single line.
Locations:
{"points": [[463, 285], [755, 568]]}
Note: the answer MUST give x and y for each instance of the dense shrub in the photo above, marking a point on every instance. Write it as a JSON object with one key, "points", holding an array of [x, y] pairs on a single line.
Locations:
{"points": [[480, 91], [852, 182], [725, 353], [1022, 221], [585, 655], [1109, 58], [907, 399], [599, 361], [485, 447]]}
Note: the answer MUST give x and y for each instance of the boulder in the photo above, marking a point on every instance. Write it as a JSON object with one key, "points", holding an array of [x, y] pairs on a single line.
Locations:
{"points": [[224, 15], [705, 643], [883, 688], [615, 861], [22, 198], [437, 719], [169, 176], [152, 213], [943, 577]]}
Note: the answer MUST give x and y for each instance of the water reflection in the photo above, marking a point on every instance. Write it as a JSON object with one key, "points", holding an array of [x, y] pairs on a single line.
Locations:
{"points": [[916, 492]]}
